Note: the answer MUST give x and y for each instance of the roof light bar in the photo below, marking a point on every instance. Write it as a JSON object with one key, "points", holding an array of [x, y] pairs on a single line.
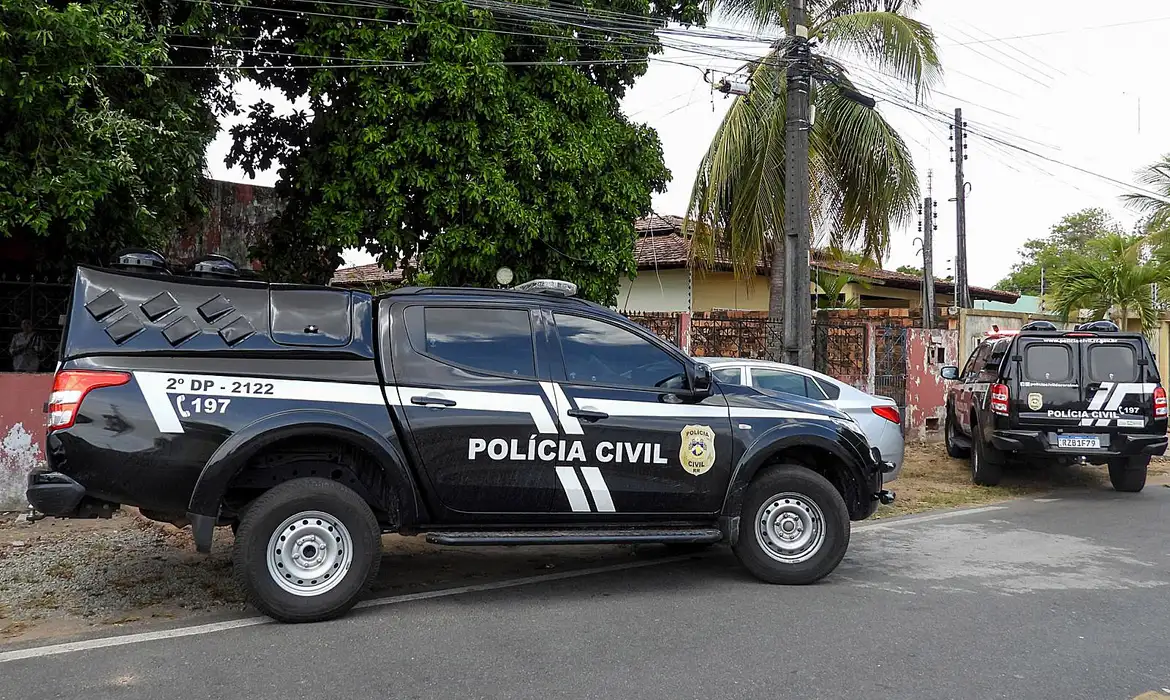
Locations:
{"points": [[558, 288]]}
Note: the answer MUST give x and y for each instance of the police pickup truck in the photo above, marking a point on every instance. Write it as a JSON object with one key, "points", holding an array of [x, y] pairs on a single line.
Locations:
{"points": [[1091, 394], [314, 419]]}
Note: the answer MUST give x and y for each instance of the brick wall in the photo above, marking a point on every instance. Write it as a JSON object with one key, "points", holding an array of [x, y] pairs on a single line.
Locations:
{"points": [[22, 432]]}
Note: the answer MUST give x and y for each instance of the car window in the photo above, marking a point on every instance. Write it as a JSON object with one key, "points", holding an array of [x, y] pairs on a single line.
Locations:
{"points": [[831, 391], [1048, 362], [497, 341], [994, 357], [779, 380], [1115, 362], [814, 390], [728, 375], [978, 359], [597, 352]]}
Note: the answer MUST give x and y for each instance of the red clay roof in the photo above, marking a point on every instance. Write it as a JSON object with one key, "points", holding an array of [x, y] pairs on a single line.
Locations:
{"points": [[362, 275]]}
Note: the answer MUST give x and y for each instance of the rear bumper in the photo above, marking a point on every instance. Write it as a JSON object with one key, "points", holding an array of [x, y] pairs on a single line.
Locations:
{"points": [[58, 495], [1036, 441]]}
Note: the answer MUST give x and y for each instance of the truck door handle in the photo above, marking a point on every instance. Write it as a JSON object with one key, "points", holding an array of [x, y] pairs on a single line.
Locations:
{"points": [[586, 414], [434, 401]]}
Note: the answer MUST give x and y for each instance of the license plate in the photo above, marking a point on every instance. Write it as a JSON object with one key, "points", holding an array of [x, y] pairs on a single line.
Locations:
{"points": [[1078, 442]]}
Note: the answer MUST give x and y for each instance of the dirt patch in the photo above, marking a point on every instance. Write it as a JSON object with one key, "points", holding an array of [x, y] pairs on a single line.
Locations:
{"points": [[931, 479]]}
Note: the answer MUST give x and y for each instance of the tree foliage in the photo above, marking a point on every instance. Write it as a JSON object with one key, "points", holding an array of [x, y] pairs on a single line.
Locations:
{"points": [[861, 172], [450, 143], [100, 148], [1155, 179], [1113, 277], [1073, 235]]}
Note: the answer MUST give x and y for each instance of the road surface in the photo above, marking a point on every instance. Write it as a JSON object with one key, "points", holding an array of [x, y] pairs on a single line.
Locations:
{"points": [[1048, 598]]}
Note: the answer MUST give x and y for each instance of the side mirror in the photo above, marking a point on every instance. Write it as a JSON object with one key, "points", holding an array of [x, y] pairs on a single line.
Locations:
{"points": [[949, 372], [701, 380]]}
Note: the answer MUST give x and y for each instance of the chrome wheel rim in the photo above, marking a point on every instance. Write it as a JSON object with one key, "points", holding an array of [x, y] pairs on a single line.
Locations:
{"points": [[310, 553], [790, 528]]}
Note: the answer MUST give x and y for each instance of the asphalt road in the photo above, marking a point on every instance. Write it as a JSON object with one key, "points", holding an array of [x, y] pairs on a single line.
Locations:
{"points": [[1037, 599]]}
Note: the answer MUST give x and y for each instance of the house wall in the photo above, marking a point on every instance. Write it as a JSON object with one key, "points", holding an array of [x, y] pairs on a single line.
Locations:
{"points": [[720, 290], [975, 323], [662, 290], [22, 433], [926, 392]]}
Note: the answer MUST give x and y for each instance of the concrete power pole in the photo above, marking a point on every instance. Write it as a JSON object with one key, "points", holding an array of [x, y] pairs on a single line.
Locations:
{"points": [[928, 228], [797, 324], [962, 291]]}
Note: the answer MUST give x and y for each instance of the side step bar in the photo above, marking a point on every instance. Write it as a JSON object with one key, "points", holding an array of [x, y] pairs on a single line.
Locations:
{"points": [[576, 536]]}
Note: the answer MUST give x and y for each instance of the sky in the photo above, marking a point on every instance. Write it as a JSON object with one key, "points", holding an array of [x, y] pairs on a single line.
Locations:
{"points": [[1059, 82]]}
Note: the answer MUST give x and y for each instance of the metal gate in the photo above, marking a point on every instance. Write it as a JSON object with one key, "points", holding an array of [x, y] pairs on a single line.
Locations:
{"points": [[889, 372], [841, 351]]}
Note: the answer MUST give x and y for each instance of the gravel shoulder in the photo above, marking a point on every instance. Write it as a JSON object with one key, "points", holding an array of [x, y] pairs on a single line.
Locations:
{"points": [[67, 578]]}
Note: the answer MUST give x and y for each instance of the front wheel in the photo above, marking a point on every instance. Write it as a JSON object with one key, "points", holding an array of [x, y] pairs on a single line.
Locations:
{"points": [[794, 527], [307, 549], [1128, 473], [950, 435]]}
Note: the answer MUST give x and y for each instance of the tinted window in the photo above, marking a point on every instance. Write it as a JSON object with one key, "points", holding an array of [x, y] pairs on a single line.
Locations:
{"points": [[978, 358], [498, 341], [776, 380], [727, 375], [1112, 363], [832, 391], [1044, 362], [309, 317], [597, 352]]}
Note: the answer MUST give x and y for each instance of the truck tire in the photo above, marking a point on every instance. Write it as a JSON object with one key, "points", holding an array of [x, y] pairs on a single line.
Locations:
{"points": [[794, 526], [1128, 473], [954, 449], [307, 549], [986, 461]]}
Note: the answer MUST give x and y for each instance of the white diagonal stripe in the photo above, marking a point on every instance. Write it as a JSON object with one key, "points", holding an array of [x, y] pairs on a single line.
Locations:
{"points": [[573, 490], [1126, 389], [1099, 398], [571, 425], [598, 488]]}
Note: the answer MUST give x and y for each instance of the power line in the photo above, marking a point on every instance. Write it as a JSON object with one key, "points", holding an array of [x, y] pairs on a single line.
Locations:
{"points": [[1062, 31]]}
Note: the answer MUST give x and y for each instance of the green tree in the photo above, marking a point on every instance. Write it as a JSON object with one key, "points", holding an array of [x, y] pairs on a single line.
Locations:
{"points": [[1156, 179], [101, 148], [1073, 235], [462, 137], [909, 270], [1113, 279], [862, 174]]}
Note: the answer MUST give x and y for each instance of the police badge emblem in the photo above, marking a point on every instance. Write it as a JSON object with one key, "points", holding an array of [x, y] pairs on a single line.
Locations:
{"points": [[1035, 401], [697, 453]]}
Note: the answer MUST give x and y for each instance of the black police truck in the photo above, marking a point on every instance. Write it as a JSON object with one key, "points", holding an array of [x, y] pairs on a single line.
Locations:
{"points": [[314, 419], [1090, 394]]}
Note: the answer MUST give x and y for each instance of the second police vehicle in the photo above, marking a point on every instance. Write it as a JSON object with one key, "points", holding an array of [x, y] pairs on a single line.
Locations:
{"points": [[313, 420]]}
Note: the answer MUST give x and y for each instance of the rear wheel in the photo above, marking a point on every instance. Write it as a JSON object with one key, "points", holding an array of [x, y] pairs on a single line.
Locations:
{"points": [[986, 461], [794, 526], [307, 549], [950, 432], [1128, 473]]}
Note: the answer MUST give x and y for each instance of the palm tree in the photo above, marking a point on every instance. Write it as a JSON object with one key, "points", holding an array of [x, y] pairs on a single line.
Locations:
{"points": [[1114, 279], [861, 172], [1156, 179]]}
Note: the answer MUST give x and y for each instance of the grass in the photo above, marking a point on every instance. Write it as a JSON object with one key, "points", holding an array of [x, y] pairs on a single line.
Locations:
{"points": [[930, 479]]}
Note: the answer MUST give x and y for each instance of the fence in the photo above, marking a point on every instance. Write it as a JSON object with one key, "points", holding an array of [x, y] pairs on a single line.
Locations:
{"points": [[43, 303], [870, 355]]}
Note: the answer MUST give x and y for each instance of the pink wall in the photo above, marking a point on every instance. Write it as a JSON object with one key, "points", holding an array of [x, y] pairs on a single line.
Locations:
{"points": [[22, 432], [926, 392]]}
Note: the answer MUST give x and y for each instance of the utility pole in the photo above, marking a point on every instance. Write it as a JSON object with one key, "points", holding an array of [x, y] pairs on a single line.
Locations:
{"points": [[797, 324], [958, 155], [928, 227]]}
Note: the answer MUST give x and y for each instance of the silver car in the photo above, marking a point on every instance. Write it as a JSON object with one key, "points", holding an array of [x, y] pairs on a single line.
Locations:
{"points": [[878, 416]]}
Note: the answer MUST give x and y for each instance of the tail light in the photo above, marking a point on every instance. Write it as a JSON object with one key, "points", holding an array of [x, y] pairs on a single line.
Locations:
{"points": [[1160, 402], [890, 413], [1000, 399], [69, 390]]}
